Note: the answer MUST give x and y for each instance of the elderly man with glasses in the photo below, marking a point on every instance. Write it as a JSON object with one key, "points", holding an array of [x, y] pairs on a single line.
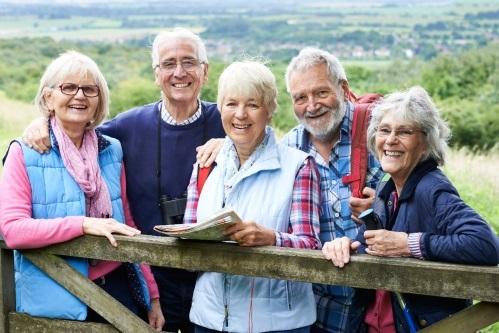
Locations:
{"points": [[159, 144]]}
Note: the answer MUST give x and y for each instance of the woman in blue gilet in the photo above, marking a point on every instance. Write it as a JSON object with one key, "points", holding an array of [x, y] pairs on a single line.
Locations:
{"points": [[77, 188]]}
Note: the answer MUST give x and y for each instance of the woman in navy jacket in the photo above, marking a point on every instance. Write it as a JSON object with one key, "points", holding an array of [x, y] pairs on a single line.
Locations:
{"points": [[419, 211]]}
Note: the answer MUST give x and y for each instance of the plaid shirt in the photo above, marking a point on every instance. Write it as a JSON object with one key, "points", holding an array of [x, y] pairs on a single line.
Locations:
{"points": [[303, 229], [333, 301]]}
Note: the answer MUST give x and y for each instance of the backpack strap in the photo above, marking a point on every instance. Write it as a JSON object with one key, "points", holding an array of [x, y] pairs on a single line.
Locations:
{"points": [[359, 154], [203, 174]]}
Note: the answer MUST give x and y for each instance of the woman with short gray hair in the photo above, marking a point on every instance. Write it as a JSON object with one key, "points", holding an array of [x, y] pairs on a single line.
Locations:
{"points": [[275, 190], [418, 213]]}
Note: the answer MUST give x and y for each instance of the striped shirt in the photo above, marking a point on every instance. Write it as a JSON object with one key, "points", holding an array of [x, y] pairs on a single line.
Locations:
{"points": [[333, 302]]}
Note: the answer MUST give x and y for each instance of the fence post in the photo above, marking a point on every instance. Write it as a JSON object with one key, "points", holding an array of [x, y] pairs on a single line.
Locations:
{"points": [[7, 300]]}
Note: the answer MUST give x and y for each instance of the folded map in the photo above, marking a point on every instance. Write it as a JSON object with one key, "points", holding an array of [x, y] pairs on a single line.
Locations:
{"points": [[211, 228]]}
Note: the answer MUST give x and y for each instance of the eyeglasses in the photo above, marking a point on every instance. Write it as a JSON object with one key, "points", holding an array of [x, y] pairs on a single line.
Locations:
{"points": [[188, 65], [401, 133], [71, 89]]}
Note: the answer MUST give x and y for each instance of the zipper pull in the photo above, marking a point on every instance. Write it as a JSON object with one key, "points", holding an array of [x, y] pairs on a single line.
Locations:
{"points": [[226, 319]]}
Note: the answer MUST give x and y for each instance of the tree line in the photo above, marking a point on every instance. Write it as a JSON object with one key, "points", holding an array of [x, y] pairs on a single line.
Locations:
{"points": [[464, 85]]}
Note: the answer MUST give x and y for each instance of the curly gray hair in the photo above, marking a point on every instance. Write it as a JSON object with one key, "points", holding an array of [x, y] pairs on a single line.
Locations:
{"points": [[416, 107]]}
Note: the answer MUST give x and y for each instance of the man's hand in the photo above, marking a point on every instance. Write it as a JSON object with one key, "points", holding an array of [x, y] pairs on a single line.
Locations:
{"points": [[385, 243], [207, 153], [36, 135], [358, 205], [250, 233], [338, 250], [155, 315], [107, 227]]}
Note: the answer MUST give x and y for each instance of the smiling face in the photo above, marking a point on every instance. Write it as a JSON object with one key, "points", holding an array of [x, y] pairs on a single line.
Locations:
{"points": [[318, 103], [400, 146], [244, 119], [72, 112], [180, 86]]}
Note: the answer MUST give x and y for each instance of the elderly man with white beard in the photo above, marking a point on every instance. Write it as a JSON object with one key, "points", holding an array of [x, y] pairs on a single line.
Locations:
{"points": [[319, 90]]}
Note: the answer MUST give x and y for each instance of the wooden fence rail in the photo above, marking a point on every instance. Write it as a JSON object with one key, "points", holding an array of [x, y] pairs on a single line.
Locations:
{"points": [[398, 274]]}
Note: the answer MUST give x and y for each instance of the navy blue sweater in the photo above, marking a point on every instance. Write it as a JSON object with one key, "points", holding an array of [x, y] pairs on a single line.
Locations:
{"points": [[137, 131]]}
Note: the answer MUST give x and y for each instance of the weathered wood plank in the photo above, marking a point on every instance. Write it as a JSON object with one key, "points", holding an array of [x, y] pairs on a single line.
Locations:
{"points": [[478, 316], [21, 323], [399, 274], [80, 286], [7, 297]]}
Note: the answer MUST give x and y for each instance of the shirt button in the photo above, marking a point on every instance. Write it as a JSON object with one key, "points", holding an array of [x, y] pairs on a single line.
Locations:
{"points": [[423, 323], [336, 215]]}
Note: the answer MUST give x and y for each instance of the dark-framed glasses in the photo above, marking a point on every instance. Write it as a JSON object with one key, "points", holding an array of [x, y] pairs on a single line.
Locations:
{"points": [[401, 132], [71, 89], [189, 65]]}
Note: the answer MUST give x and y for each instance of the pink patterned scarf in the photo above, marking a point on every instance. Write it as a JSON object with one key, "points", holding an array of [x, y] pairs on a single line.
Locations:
{"points": [[83, 167]]}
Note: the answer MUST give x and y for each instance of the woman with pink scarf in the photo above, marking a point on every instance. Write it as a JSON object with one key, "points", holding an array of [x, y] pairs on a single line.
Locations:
{"points": [[77, 188]]}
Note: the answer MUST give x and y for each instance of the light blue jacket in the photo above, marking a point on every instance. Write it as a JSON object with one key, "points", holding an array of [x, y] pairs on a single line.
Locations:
{"points": [[56, 194], [262, 193]]}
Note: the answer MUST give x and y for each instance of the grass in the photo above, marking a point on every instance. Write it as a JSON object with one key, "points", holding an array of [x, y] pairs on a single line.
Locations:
{"points": [[14, 116], [475, 177]]}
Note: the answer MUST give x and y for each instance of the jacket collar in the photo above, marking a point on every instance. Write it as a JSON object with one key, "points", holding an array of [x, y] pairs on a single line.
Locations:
{"points": [[410, 186], [267, 159]]}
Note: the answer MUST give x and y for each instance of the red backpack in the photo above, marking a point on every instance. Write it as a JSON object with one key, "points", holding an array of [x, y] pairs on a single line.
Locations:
{"points": [[359, 154], [203, 174]]}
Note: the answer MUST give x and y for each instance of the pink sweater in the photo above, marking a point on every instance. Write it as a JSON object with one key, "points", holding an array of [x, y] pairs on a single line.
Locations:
{"points": [[21, 231]]}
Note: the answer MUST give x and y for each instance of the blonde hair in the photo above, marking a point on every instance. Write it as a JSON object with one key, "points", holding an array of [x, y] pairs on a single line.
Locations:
{"points": [[74, 63], [249, 78]]}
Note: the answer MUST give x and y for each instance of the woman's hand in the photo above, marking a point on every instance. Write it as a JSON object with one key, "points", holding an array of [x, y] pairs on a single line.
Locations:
{"points": [[338, 250], [107, 227], [250, 233], [385, 243], [155, 315], [36, 135], [207, 153]]}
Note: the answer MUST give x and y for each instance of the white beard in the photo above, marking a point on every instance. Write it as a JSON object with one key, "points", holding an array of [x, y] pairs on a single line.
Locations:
{"points": [[325, 131]]}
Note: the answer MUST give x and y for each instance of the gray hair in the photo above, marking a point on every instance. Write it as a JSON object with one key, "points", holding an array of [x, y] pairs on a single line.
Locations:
{"points": [[178, 33], [249, 78], [309, 57], [73, 63], [416, 107]]}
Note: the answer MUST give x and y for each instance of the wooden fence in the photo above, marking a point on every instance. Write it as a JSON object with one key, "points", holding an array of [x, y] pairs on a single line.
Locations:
{"points": [[399, 274]]}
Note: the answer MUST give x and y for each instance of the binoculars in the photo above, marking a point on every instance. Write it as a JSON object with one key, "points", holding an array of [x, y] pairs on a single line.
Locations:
{"points": [[172, 210]]}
